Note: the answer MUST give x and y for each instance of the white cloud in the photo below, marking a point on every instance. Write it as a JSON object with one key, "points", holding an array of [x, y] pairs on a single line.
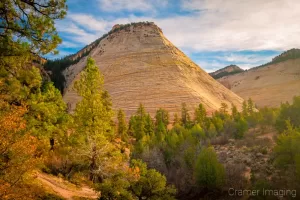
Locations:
{"points": [[219, 25], [236, 25], [88, 21], [250, 58], [76, 34], [213, 25], [130, 5], [67, 44]]}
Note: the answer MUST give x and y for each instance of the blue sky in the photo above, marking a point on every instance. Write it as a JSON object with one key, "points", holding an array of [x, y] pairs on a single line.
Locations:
{"points": [[213, 33]]}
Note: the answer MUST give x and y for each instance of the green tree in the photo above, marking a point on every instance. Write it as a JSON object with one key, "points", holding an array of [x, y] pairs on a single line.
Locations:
{"points": [[139, 128], [160, 132], [47, 114], [131, 125], [149, 126], [122, 126], [234, 111], [200, 114], [287, 150], [218, 123], [185, 116], [209, 172], [151, 184], [224, 108], [211, 132], [31, 22], [241, 128], [251, 106], [245, 109], [176, 119], [198, 132], [289, 112], [162, 115], [93, 128]]}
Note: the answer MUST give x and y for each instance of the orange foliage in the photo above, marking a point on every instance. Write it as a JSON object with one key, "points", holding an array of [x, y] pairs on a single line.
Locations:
{"points": [[17, 148]]}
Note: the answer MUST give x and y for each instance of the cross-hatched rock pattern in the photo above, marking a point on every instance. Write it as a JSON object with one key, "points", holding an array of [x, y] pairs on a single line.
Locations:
{"points": [[141, 66]]}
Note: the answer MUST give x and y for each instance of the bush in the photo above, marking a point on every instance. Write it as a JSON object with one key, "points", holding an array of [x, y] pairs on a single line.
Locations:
{"points": [[209, 172]]}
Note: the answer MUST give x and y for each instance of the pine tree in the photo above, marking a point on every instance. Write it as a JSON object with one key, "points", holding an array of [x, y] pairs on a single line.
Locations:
{"points": [[251, 106], [176, 119], [200, 114], [245, 109], [160, 131], [149, 126], [234, 111], [93, 128], [162, 115], [209, 172], [32, 22], [122, 126], [139, 128], [224, 108], [211, 132], [185, 117]]}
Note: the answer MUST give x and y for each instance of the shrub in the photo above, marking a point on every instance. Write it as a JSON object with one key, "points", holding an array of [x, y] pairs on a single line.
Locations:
{"points": [[209, 172]]}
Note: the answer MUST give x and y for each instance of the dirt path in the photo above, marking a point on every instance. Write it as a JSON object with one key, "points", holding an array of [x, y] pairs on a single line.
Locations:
{"points": [[66, 189]]}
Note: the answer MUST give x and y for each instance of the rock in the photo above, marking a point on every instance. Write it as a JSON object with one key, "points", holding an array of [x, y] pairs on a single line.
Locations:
{"points": [[258, 155], [149, 70]]}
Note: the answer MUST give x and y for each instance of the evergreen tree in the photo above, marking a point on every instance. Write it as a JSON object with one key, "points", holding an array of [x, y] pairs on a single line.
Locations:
{"points": [[291, 112], [176, 119], [93, 128], [151, 184], [162, 115], [132, 125], [251, 106], [211, 132], [245, 109], [234, 112], [287, 150], [209, 172], [122, 126], [200, 114], [160, 131], [139, 128], [149, 126], [241, 128], [185, 116], [31, 22], [224, 108]]}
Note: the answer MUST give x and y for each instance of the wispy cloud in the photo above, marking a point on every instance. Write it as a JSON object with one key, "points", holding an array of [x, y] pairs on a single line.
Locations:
{"points": [[88, 21], [197, 26], [130, 5], [235, 25]]}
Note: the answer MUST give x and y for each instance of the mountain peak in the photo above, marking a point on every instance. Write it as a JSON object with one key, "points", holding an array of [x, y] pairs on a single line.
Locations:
{"points": [[228, 70], [140, 65], [131, 26]]}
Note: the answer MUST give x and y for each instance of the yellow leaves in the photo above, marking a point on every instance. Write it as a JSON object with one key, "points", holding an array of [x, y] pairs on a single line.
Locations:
{"points": [[17, 150]]}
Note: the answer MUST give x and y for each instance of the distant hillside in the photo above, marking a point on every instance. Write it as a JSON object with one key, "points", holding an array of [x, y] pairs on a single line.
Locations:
{"points": [[270, 84], [229, 70], [287, 55]]}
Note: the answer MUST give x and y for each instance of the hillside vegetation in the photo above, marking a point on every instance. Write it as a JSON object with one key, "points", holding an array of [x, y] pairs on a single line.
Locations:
{"points": [[287, 55], [226, 71]]}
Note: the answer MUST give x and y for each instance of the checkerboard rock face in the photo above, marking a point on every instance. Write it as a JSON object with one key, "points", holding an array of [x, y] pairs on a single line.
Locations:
{"points": [[141, 66]]}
